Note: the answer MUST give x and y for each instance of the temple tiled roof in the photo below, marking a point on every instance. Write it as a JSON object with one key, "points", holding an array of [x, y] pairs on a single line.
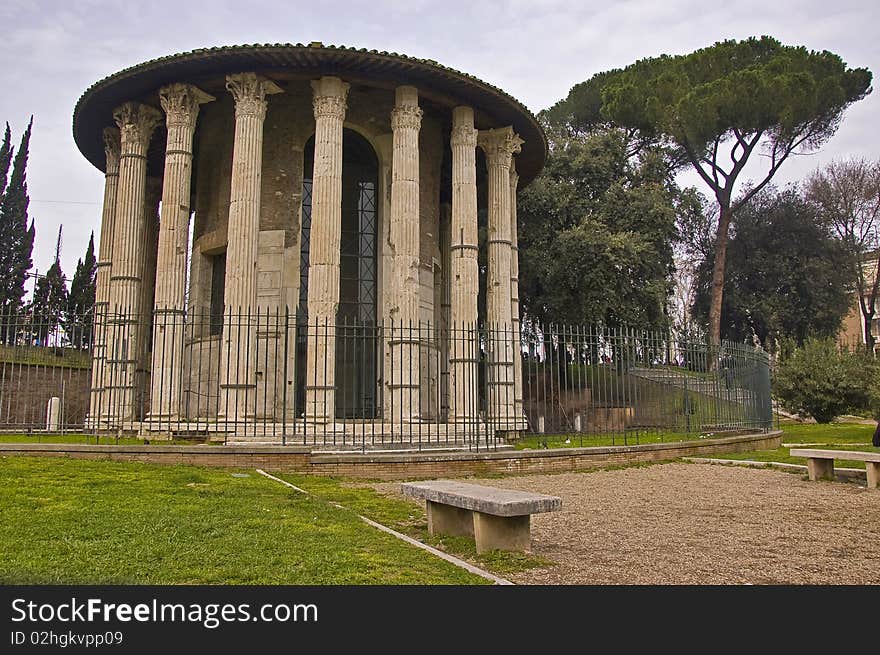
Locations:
{"points": [[444, 85]]}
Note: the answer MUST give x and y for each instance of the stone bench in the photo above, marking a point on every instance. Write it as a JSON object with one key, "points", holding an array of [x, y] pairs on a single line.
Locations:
{"points": [[820, 463], [497, 519]]}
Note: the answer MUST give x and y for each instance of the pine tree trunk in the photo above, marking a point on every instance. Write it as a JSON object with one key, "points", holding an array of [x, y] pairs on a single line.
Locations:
{"points": [[717, 290], [869, 336]]}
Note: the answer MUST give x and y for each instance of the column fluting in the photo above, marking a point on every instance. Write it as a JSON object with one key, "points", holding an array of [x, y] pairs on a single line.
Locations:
{"points": [[329, 105], [150, 241], [516, 337], [181, 105], [239, 342], [406, 120], [136, 123], [100, 373], [464, 274], [499, 145]]}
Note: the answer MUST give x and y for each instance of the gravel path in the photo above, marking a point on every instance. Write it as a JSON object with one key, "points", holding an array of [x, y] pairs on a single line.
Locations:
{"points": [[702, 524]]}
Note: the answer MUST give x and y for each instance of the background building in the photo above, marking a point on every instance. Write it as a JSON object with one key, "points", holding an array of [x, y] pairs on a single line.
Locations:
{"points": [[852, 330]]}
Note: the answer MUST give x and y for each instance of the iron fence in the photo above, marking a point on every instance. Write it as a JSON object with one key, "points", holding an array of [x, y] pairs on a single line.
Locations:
{"points": [[276, 377], [620, 385]]}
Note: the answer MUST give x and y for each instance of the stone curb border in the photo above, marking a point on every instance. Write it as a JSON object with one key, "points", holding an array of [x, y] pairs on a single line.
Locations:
{"points": [[403, 465]]}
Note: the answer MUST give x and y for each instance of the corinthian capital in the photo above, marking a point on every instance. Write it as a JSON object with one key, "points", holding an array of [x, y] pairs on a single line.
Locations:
{"points": [[111, 150], [250, 91], [136, 123], [328, 100], [464, 136], [463, 132], [406, 117], [181, 103], [406, 113], [499, 145]]}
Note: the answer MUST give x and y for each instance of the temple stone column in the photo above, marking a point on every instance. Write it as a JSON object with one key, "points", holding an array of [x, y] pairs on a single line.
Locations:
{"points": [[181, 104], [406, 119], [100, 374], [441, 302], [329, 104], [499, 145], [464, 274], [239, 343], [514, 302], [150, 241], [136, 123]]}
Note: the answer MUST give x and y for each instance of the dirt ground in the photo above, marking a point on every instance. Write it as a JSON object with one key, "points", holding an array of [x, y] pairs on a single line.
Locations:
{"points": [[702, 524]]}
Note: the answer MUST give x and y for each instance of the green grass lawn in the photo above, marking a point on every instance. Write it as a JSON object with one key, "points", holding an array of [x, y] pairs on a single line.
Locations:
{"points": [[69, 521], [81, 438], [533, 441], [409, 518], [45, 356], [631, 438], [831, 433], [831, 436]]}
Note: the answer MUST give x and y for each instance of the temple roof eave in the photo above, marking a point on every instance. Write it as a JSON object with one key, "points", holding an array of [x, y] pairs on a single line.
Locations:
{"points": [[93, 110]]}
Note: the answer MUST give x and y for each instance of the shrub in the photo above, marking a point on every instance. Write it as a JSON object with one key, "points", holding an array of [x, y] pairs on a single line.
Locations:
{"points": [[821, 381]]}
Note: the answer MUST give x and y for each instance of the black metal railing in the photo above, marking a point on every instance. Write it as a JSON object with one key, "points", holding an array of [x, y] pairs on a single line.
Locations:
{"points": [[626, 385], [272, 376]]}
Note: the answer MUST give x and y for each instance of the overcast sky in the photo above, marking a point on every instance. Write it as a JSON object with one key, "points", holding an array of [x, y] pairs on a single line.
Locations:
{"points": [[536, 50]]}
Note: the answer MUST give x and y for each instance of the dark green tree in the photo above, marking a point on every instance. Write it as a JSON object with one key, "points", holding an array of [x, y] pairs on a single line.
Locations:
{"points": [[596, 234], [724, 103], [81, 302], [50, 299], [788, 278], [5, 159], [823, 381], [16, 238], [579, 114]]}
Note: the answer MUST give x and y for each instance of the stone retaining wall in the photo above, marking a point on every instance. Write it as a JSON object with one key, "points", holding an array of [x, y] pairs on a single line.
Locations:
{"points": [[25, 389]]}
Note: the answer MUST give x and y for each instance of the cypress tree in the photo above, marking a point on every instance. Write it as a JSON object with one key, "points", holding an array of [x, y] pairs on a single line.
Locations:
{"points": [[16, 237], [78, 317], [6, 320], [5, 158]]}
